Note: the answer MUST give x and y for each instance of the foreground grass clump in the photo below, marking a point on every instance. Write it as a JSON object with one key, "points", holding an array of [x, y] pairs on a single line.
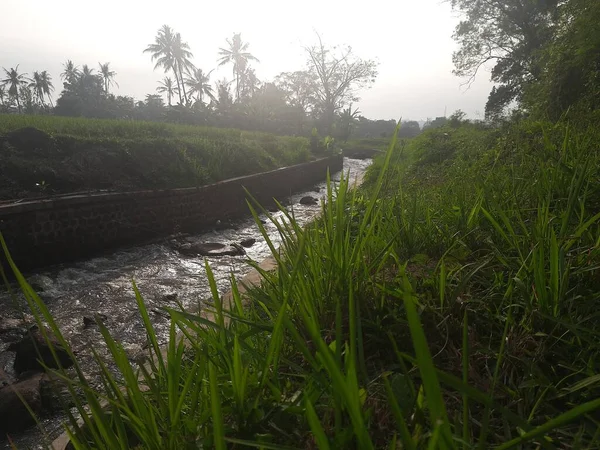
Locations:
{"points": [[73, 154], [449, 303]]}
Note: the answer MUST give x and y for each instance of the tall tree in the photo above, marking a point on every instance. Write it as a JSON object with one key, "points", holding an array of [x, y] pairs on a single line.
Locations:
{"points": [[237, 54], [2, 95], [339, 74], [13, 81], [42, 86], [108, 76], [166, 86], [507, 34], [171, 54], [300, 87], [70, 71], [199, 84], [182, 55], [161, 51], [249, 82], [224, 99]]}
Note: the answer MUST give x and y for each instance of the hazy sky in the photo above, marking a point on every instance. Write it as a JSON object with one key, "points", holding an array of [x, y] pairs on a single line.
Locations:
{"points": [[411, 39]]}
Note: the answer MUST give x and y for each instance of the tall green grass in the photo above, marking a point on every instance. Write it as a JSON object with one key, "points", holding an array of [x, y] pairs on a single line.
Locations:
{"points": [[459, 314], [89, 154]]}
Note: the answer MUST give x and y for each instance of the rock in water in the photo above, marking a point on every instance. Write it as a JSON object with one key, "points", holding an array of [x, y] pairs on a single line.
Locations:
{"points": [[27, 357], [210, 249], [88, 321], [248, 242], [308, 200], [14, 415]]}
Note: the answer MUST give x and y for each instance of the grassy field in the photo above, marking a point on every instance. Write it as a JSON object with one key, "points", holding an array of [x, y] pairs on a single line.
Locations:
{"points": [[452, 302], [76, 154]]}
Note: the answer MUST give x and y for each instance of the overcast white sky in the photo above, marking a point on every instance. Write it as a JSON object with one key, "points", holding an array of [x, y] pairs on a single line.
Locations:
{"points": [[411, 39]]}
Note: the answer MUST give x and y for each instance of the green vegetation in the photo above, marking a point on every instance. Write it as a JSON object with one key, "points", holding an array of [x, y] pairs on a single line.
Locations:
{"points": [[290, 104], [451, 302], [62, 155]]}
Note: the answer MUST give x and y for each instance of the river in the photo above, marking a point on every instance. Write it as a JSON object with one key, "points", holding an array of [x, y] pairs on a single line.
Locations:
{"points": [[165, 278]]}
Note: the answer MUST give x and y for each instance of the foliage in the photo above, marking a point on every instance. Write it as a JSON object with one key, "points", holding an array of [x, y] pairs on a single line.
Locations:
{"points": [[338, 74], [86, 154], [508, 34], [172, 54], [447, 304], [570, 80], [238, 55]]}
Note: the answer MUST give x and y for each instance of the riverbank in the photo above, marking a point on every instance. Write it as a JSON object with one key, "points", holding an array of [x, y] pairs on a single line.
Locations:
{"points": [[49, 155], [101, 287], [449, 303]]}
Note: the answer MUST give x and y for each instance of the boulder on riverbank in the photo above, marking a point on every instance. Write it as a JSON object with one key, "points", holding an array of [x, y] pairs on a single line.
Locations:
{"points": [[14, 415], [34, 349]]}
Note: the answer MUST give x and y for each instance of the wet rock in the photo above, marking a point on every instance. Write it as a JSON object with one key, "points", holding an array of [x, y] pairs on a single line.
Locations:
{"points": [[14, 415], [34, 347], [308, 200], [210, 249], [88, 321], [54, 393], [13, 330], [248, 242]]}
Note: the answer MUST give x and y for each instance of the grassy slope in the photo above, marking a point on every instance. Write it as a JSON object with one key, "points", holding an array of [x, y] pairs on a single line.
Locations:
{"points": [[451, 303], [87, 154]]}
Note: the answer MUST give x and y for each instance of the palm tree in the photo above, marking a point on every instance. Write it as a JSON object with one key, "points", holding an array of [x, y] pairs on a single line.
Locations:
{"points": [[182, 55], [170, 54], [108, 76], [2, 94], [47, 86], [41, 83], [238, 55], [14, 80], [70, 72], [166, 86], [199, 84]]}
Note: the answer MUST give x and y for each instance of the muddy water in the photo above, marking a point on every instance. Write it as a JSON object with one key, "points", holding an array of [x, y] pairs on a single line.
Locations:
{"points": [[103, 285]]}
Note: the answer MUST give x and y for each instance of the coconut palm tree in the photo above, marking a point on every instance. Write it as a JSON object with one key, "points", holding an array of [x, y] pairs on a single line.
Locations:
{"points": [[108, 76], [238, 55], [2, 95], [182, 55], [14, 80], [171, 54], [199, 84], [166, 86], [47, 86], [70, 72], [42, 86]]}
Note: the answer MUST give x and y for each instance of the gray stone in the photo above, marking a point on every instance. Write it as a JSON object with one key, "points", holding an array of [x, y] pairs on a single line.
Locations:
{"points": [[308, 200], [14, 415], [210, 249], [88, 321], [248, 242], [34, 347]]}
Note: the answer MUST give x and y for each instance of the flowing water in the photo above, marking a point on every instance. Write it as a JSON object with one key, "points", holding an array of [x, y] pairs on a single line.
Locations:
{"points": [[165, 278]]}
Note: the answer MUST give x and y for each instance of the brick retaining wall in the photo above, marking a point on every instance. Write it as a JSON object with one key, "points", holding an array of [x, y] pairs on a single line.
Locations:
{"points": [[44, 232]]}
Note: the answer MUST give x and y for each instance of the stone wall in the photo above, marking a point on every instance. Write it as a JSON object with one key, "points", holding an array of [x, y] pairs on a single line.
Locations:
{"points": [[51, 231]]}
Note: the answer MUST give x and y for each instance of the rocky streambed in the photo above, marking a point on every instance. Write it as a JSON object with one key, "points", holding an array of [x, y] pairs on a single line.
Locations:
{"points": [[168, 273]]}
